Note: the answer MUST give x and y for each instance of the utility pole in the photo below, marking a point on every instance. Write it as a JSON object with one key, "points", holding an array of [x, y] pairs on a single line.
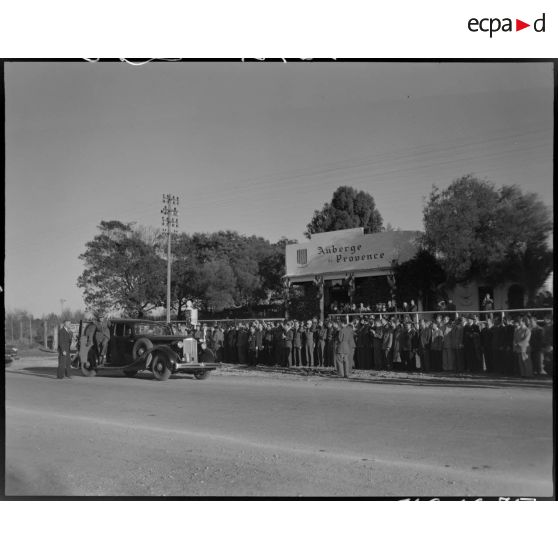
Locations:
{"points": [[62, 301], [170, 225]]}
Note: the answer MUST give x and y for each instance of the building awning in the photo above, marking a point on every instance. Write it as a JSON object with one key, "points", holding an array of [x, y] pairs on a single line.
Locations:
{"points": [[333, 276]]}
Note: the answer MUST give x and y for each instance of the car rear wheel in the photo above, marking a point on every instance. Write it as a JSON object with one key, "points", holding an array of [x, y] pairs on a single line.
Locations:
{"points": [[161, 368], [201, 374], [141, 346]]}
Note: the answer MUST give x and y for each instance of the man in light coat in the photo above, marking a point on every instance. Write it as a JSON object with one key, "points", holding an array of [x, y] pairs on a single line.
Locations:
{"points": [[344, 350]]}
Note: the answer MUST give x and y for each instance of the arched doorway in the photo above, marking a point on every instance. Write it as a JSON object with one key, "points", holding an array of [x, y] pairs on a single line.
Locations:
{"points": [[516, 296]]}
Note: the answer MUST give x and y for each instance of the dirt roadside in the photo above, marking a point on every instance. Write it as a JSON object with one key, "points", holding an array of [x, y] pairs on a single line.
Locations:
{"points": [[45, 363]]}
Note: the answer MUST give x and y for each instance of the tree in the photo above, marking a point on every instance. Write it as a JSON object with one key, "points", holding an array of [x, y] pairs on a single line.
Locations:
{"points": [[122, 272], [526, 225], [272, 270], [420, 278], [348, 209], [225, 270], [479, 231]]}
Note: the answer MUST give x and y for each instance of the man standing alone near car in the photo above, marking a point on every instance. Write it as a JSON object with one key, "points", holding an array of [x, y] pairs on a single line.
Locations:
{"points": [[64, 343], [344, 349]]}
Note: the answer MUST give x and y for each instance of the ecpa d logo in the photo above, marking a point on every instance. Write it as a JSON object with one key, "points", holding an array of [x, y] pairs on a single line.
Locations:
{"points": [[492, 25]]}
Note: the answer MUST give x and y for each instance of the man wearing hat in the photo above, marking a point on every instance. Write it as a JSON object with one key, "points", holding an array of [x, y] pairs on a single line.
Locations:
{"points": [[308, 340], [64, 344], [344, 350]]}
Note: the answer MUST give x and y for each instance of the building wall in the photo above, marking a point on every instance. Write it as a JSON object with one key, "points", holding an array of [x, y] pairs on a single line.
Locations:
{"points": [[466, 296]]}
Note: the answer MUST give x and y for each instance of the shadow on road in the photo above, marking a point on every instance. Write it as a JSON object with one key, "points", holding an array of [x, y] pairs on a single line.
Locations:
{"points": [[494, 382], [497, 382], [491, 383], [50, 373]]}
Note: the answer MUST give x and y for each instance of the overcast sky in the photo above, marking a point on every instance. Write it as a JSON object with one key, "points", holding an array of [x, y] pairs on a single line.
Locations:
{"points": [[251, 147]]}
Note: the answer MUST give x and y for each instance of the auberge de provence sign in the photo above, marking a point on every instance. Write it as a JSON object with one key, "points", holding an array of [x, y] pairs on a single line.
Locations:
{"points": [[349, 251]]}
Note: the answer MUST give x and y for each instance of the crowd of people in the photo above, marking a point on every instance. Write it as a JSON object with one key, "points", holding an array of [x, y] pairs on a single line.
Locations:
{"points": [[393, 306], [513, 344]]}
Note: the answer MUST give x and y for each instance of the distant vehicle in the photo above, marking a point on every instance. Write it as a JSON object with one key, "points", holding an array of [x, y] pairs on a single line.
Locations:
{"points": [[11, 351], [136, 345]]}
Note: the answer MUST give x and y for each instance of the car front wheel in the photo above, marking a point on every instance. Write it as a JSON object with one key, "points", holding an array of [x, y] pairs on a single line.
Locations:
{"points": [[161, 368]]}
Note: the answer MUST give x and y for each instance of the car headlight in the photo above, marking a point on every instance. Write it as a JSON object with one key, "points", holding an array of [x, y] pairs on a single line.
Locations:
{"points": [[180, 344]]}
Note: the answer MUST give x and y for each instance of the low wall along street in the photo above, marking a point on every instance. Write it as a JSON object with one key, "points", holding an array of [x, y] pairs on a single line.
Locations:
{"points": [[334, 254]]}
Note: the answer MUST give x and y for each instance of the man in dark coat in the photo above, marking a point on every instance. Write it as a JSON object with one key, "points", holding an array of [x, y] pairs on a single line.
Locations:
{"points": [[230, 345], [387, 344], [509, 360], [376, 335], [287, 337], [278, 344], [308, 341], [424, 337], [90, 335], [252, 347], [297, 343], [486, 334], [548, 345], [330, 345], [64, 344], [242, 344], [408, 347], [320, 343], [498, 342], [268, 345]]}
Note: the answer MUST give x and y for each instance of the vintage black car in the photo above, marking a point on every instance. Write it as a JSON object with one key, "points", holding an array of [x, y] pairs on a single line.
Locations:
{"points": [[136, 345]]}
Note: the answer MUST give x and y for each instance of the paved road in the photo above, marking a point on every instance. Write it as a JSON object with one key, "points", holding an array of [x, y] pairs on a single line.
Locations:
{"points": [[273, 436]]}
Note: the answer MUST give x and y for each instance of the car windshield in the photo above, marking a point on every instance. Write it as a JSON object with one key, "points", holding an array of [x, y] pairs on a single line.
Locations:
{"points": [[152, 329]]}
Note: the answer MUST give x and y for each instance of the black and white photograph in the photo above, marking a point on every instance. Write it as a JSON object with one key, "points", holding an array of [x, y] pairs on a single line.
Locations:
{"points": [[278, 278]]}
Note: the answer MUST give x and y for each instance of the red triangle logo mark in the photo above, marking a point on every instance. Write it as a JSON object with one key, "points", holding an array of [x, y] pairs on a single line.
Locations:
{"points": [[519, 25]]}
